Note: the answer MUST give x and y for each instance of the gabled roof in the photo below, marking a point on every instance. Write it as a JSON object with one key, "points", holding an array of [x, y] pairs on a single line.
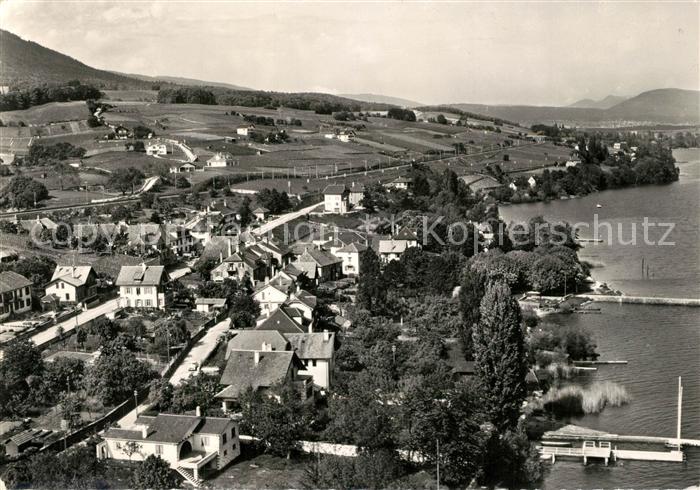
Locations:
{"points": [[140, 275], [76, 276], [305, 298], [254, 339], [9, 281], [319, 257], [221, 302], [171, 428], [242, 372], [260, 210], [335, 189], [357, 188], [145, 233], [392, 246], [280, 321], [353, 248], [312, 345], [406, 234], [276, 284]]}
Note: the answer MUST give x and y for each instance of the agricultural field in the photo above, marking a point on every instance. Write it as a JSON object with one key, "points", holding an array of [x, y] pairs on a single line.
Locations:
{"points": [[48, 113], [131, 95]]}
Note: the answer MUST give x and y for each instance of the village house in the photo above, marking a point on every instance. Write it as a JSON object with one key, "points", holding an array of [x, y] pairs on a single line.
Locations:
{"points": [[317, 352], [357, 193], [245, 130], [142, 286], [305, 302], [262, 371], [261, 213], [15, 294], [221, 160], [157, 149], [190, 444], [71, 284], [271, 295], [392, 248], [401, 183], [350, 255], [184, 168], [346, 136], [336, 199], [284, 321], [319, 265], [208, 305], [262, 340], [241, 263]]}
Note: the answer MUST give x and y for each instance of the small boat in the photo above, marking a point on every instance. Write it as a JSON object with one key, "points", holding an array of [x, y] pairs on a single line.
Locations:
{"points": [[599, 205]]}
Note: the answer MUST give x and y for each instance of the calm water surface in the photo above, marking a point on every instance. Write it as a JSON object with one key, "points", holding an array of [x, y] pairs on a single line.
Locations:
{"points": [[660, 342]]}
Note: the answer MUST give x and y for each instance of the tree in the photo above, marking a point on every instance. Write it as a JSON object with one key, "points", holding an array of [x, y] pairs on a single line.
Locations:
{"points": [[22, 192], [21, 358], [116, 374], [125, 179], [371, 290], [153, 472], [245, 212], [278, 425], [181, 182], [195, 391], [511, 461], [499, 355], [471, 292]]}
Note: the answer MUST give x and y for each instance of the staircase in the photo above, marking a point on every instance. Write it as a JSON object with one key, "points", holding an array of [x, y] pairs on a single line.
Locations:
{"points": [[188, 475]]}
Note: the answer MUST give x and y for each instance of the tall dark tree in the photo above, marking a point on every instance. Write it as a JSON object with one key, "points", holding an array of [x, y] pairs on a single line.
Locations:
{"points": [[499, 355], [245, 213], [471, 292], [371, 290]]}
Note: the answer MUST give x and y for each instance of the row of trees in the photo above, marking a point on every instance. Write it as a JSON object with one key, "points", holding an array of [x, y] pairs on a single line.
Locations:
{"points": [[24, 98], [48, 154]]}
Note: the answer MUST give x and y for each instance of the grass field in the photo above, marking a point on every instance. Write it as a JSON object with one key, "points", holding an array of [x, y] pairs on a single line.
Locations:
{"points": [[48, 113], [131, 95]]}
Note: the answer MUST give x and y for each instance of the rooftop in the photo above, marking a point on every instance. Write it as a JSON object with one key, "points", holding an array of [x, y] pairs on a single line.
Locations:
{"points": [[280, 321], [312, 345], [242, 372], [10, 281], [140, 275]]}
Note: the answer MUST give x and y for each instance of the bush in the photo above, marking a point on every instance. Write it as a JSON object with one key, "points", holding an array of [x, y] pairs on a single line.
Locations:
{"points": [[576, 400]]}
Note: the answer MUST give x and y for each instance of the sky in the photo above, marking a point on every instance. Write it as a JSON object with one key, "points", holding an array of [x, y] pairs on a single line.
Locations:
{"points": [[534, 53]]}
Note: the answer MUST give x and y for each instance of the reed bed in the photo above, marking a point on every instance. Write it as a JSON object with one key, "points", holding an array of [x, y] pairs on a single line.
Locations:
{"points": [[576, 400]]}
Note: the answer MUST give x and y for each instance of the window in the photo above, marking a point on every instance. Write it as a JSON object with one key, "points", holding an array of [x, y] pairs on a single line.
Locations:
{"points": [[128, 290], [148, 302], [26, 290], [313, 362], [138, 291], [159, 449], [233, 432], [205, 441], [146, 290], [67, 296], [61, 285], [223, 439], [225, 452]]}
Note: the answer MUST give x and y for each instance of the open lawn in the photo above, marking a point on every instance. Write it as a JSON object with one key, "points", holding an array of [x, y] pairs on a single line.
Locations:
{"points": [[263, 471], [48, 113], [130, 95]]}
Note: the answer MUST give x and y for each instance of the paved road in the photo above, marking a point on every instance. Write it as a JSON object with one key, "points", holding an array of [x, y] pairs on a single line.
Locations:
{"points": [[197, 354], [69, 325], [285, 218]]}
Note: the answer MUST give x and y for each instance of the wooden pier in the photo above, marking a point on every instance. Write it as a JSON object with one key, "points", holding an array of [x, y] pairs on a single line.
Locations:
{"points": [[604, 451], [642, 300]]}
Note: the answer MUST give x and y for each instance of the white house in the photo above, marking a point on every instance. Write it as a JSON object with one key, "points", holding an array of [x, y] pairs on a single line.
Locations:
{"points": [[261, 213], [157, 149], [392, 248], [71, 284], [245, 130], [270, 296], [142, 286], [15, 294], [346, 136], [532, 182], [401, 183], [188, 443], [220, 160], [336, 199], [357, 193], [350, 255], [317, 352], [207, 305]]}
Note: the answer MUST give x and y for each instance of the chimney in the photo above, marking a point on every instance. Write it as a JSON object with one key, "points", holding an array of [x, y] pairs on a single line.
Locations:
{"points": [[221, 256], [326, 335], [256, 357], [144, 432], [311, 327], [198, 411], [229, 248]]}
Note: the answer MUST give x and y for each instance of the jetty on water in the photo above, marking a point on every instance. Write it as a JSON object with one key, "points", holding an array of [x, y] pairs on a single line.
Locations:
{"points": [[599, 445], [641, 300]]}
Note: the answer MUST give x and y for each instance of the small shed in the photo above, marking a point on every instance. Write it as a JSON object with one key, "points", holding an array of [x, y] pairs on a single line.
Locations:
{"points": [[261, 213]]}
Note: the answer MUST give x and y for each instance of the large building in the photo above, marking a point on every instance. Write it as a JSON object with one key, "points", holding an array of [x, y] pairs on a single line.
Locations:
{"points": [[15, 294], [221, 160], [336, 199], [189, 443], [72, 284], [142, 286]]}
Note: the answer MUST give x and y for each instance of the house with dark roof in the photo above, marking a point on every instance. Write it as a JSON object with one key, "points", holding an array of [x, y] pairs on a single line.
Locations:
{"points": [[191, 444], [32, 438], [15, 294], [271, 295], [207, 305], [319, 265], [336, 199], [262, 371], [142, 286], [73, 284], [262, 340], [305, 302], [317, 352], [392, 248], [281, 321]]}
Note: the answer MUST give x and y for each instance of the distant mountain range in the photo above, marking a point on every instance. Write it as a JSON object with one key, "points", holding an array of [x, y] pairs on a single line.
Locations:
{"points": [[661, 106], [382, 99], [183, 81], [606, 103]]}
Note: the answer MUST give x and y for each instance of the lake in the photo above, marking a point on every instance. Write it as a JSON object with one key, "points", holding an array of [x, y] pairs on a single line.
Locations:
{"points": [[660, 342]]}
